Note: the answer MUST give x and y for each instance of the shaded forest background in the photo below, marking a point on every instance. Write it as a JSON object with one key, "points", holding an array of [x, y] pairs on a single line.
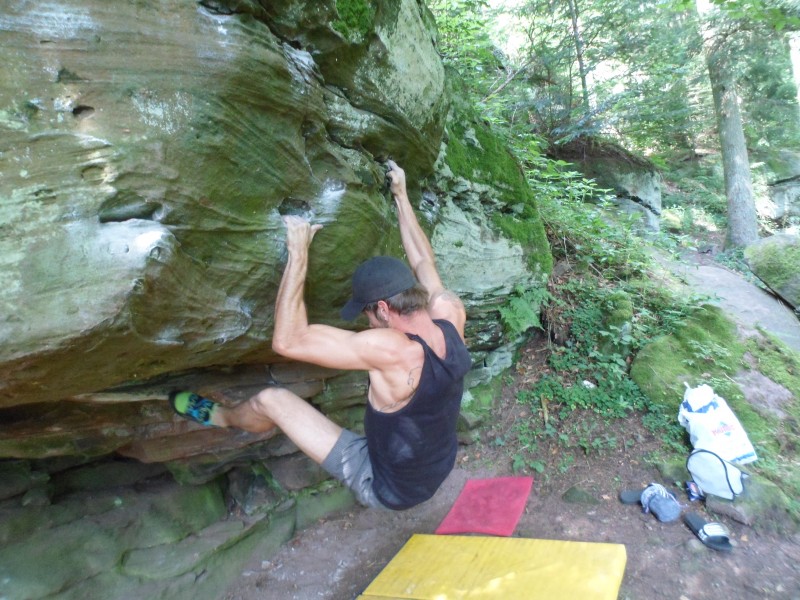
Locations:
{"points": [[704, 90]]}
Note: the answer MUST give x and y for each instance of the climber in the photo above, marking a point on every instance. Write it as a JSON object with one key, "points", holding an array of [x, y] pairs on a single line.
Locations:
{"points": [[414, 353]]}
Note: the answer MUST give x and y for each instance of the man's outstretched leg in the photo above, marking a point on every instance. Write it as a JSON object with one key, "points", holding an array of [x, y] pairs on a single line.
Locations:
{"points": [[312, 432]]}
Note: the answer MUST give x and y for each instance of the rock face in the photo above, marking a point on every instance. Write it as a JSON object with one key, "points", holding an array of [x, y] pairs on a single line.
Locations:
{"points": [[636, 189], [148, 151], [776, 261], [781, 172], [634, 183]]}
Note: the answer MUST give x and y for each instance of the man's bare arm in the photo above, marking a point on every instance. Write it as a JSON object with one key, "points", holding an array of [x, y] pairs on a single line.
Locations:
{"points": [[322, 345], [442, 302], [418, 249], [291, 319]]}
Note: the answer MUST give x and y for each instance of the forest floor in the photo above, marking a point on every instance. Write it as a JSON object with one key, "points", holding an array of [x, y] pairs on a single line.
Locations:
{"points": [[337, 558]]}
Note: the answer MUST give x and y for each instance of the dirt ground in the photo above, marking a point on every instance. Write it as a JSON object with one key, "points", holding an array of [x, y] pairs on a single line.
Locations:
{"points": [[338, 557]]}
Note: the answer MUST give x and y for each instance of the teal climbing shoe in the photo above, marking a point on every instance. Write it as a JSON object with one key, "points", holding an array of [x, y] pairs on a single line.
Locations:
{"points": [[193, 407]]}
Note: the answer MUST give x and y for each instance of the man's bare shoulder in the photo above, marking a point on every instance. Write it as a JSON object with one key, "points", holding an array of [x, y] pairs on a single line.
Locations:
{"points": [[381, 338], [380, 334], [386, 349], [448, 297], [448, 306]]}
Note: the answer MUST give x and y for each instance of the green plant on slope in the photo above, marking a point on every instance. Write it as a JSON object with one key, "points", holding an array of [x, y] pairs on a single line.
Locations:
{"points": [[523, 309], [576, 213], [355, 19], [588, 379], [589, 374]]}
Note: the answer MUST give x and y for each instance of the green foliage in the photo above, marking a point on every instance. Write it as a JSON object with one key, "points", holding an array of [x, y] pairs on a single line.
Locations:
{"points": [[775, 16], [649, 86], [698, 189], [650, 92], [522, 310], [464, 41], [355, 19], [778, 362], [588, 376], [581, 231], [770, 98]]}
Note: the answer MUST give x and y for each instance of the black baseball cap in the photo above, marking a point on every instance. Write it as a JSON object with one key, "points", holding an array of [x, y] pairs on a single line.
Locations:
{"points": [[375, 279]]}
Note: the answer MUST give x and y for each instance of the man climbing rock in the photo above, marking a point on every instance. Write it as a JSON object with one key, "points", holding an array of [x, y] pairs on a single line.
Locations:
{"points": [[414, 353]]}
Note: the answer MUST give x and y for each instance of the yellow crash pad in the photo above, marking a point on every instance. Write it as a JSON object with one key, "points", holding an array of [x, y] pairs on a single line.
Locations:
{"points": [[445, 567]]}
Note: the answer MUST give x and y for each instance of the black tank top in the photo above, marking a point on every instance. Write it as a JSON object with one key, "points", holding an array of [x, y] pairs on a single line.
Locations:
{"points": [[413, 449]]}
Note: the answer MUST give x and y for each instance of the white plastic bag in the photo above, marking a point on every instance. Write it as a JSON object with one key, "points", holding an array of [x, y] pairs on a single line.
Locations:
{"points": [[713, 426]]}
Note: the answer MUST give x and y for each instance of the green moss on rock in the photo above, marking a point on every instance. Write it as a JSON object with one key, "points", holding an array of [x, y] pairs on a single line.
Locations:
{"points": [[704, 348], [775, 264], [780, 363], [479, 156], [179, 512]]}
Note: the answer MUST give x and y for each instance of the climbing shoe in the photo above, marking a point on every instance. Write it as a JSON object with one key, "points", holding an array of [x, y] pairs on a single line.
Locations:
{"points": [[193, 407]]}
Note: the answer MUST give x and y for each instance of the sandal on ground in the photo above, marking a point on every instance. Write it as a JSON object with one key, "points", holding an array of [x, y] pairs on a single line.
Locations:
{"points": [[193, 407], [656, 499], [631, 496], [713, 535]]}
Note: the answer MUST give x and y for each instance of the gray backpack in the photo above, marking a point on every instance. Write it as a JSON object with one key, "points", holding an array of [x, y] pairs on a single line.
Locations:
{"points": [[715, 476]]}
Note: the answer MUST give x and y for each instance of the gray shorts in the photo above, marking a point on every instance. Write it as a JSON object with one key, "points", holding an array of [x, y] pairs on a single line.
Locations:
{"points": [[348, 461]]}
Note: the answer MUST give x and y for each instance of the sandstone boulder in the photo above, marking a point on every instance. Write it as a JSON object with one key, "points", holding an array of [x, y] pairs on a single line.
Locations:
{"points": [[775, 260]]}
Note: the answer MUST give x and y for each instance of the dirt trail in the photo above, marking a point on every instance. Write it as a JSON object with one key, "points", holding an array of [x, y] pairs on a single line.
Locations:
{"points": [[337, 558]]}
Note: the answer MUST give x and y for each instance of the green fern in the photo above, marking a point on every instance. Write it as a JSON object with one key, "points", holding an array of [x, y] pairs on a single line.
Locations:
{"points": [[522, 312]]}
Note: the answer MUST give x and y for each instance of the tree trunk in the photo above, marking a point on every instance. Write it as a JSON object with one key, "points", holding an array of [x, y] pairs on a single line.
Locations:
{"points": [[742, 218], [794, 53], [577, 37]]}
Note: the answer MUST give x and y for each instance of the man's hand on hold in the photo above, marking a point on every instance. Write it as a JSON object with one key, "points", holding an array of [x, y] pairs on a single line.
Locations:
{"points": [[299, 233], [397, 177]]}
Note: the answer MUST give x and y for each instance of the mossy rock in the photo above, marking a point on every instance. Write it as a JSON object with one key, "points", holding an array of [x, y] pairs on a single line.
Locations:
{"points": [[211, 573], [480, 160], [327, 499], [706, 349], [776, 261], [763, 505], [82, 550], [105, 474], [16, 477], [483, 398], [673, 471]]}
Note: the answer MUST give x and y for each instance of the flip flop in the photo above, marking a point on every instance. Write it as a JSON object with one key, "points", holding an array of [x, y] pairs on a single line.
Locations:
{"points": [[631, 496], [713, 535]]}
